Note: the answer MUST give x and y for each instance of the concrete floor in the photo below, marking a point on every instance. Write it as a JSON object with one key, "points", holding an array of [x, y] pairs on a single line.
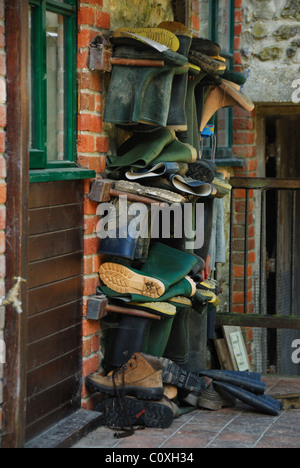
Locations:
{"points": [[237, 427]]}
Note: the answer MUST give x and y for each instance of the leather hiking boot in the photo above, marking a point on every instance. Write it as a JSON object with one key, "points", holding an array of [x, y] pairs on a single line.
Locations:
{"points": [[141, 377]]}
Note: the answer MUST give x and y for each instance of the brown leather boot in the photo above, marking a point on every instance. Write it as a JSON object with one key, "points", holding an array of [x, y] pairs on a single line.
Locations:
{"points": [[141, 376]]}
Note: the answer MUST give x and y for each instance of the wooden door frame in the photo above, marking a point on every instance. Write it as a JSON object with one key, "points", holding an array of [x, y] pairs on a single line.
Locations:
{"points": [[17, 160]]}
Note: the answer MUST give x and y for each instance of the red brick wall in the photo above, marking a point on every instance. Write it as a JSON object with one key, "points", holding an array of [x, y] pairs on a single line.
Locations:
{"points": [[244, 146], [92, 146]]}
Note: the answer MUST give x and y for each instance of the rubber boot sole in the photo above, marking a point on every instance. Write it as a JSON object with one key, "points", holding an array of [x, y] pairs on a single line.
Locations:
{"points": [[139, 412], [173, 374], [124, 280]]}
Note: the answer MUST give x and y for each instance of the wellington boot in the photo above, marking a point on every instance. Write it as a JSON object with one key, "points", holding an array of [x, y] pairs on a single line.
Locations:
{"points": [[163, 309], [186, 287], [177, 152], [140, 150], [155, 277], [206, 63], [177, 349], [129, 337], [174, 374], [141, 376], [156, 99], [263, 403], [159, 35], [118, 240], [162, 169], [223, 96], [177, 113], [191, 136], [158, 337], [214, 400], [205, 46], [125, 94], [242, 379]]}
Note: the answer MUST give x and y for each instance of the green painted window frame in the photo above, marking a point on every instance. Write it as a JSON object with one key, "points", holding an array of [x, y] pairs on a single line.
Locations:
{"points": [[223, 154], [38, 150]]}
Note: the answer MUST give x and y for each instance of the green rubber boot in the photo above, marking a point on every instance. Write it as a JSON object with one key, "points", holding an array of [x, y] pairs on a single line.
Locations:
{"points": [[125, 94], [191, 136], [177, 349], [158, 337], [165, 267], [141, 149], [177, 113], [186, 288], [157, 96]]}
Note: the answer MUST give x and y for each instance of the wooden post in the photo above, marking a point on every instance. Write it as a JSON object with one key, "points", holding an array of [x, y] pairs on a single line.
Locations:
{"points": [[17, 154]]}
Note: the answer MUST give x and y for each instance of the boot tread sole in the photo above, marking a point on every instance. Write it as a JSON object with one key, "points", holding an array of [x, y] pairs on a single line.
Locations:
{"points": [[123, 280]]}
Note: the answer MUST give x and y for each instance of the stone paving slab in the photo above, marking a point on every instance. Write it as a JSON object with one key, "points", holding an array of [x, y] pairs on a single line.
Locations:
{"points": [[237, 427]]}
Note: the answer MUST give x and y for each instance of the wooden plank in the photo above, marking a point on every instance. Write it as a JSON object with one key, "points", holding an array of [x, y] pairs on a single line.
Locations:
{"points": [[54, 269], [41, 405], [53, 346], [55, 218], [265, 183], [227, 331], [67, 431], [53, 372], [52, 244], [223, 354], [54, 193], [17, 163], [259, 321], [54, 294], [50, 321]]}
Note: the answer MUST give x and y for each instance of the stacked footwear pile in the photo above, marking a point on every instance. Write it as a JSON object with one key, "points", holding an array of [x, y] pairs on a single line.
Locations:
{"points": [[165, 86], [150, 391]]}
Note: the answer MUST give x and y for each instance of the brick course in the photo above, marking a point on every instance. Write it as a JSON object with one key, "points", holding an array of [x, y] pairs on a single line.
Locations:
{"points": [[244, 147], [92, 146]]}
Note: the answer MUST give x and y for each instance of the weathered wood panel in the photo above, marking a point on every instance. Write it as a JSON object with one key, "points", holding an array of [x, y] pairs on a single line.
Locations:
{"points": [[55, 251]]}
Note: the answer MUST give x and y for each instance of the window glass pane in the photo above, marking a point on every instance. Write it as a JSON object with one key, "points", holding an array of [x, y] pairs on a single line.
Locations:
{"points": [[224, 24], [55, 86], [204, 19], [222, 128]]}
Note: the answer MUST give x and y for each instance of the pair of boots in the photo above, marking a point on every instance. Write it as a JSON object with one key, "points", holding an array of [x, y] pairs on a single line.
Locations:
{"points": [[143, 391], [143, 150], [149, 94]]}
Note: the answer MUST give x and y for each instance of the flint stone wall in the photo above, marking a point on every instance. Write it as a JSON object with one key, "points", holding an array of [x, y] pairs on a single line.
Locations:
{"points": [[270, 48], [138, 13]]}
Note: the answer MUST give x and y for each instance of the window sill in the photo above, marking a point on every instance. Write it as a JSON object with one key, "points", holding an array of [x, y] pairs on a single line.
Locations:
{"points": [[224, 158], [229, 162], [50, 175]]}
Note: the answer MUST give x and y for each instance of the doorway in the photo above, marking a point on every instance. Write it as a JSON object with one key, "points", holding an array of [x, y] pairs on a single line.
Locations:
{"points": [[282, 143]]}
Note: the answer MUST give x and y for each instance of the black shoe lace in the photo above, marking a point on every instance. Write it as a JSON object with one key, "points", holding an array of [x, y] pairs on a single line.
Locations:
{"points": [[125, 432]]}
